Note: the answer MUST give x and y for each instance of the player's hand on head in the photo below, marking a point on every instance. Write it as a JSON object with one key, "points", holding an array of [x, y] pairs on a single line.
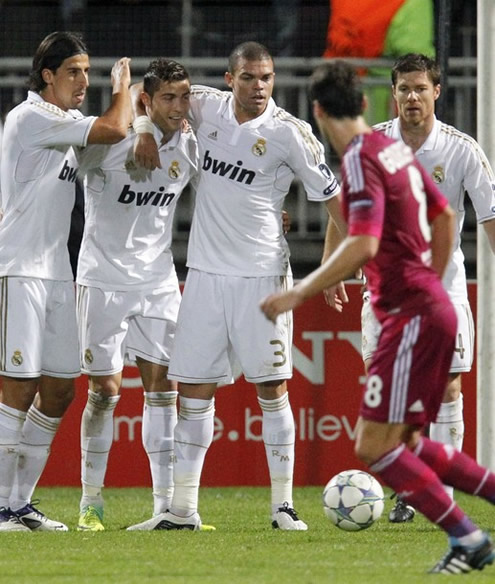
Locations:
{"points": [[146, 152], [336, 296], [121, 73]]}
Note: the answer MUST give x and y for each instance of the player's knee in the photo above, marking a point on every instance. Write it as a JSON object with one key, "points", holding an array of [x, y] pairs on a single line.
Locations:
{"points": [[364, 451], [106, 386], [53, 400], [453, 389]]}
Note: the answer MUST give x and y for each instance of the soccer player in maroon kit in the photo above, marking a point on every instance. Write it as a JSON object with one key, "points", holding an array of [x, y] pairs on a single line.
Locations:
{"points": [[400, 229]]}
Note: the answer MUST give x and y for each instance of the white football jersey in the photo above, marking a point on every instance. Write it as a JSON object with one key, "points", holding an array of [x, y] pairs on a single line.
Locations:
{"points": [[38, 171], [129, 212], [245, 173], [457, 165]]}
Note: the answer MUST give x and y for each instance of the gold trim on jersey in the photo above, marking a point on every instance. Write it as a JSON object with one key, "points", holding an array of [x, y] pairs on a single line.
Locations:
{"points": [[305, 132], [49, 107], [451, 131]]}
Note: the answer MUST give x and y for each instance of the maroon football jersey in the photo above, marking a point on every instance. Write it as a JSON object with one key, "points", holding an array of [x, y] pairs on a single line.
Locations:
{"points": [[387, 194]]}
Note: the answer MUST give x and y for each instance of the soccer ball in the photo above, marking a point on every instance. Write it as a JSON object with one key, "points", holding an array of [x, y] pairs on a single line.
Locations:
{"points": [[353, 500]]}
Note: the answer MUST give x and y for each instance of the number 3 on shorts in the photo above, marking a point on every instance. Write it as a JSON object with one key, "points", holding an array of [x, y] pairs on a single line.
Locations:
{"points": [[373, 393]]}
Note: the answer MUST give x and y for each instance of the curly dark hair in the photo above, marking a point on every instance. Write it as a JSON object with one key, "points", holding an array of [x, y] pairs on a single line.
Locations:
{"points": [[338, 89], [160, 70]]}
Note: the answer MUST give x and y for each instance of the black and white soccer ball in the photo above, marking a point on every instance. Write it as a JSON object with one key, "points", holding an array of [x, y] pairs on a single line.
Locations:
{"points": [[353, 500]]}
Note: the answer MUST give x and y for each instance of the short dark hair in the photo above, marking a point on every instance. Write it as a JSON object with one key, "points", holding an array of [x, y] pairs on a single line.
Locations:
{"points": [[251, 51], [338, 89], [160, 70], [52, 52], [416, 62]]}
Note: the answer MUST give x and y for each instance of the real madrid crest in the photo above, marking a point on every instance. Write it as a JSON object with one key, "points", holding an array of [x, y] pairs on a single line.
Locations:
{"points": [[88, 356], [259, 148], [174, 170], [438, 175], [17, 359]]}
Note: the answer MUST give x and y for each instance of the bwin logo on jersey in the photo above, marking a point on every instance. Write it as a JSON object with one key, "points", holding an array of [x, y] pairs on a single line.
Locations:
{"points": [[156, 198], [68, 173], [228, 170]]}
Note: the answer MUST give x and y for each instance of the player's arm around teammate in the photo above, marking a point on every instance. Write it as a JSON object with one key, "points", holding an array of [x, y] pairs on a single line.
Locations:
{"points": [[40, 360], [128, 292]]}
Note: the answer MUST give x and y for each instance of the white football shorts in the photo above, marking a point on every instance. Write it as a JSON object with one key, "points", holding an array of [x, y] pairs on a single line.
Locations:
{"points": [[38, 331], [462, 359], [114, 325], [220, 324]]}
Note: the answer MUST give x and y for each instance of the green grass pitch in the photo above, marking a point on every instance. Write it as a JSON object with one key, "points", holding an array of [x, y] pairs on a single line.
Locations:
{"points": [[243, 550]]}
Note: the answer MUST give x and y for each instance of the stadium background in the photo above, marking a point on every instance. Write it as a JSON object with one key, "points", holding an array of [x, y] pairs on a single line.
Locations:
{"points": [[201, 34]]}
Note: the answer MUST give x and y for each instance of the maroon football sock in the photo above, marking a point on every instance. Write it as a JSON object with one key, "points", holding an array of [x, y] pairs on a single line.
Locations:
{"points": [[413, 480]]}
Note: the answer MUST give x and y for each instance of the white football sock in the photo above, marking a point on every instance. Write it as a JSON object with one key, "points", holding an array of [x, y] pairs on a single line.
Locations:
{"points": [[192, 438], [279, 437], [449, 428], [11, 422], [96, 441], [159, 420], [38, 432]]}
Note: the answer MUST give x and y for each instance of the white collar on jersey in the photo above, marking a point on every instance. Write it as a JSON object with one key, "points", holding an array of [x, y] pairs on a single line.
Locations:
{"points": [[172, 143], [431, 140], [33, 96], [257, 122]]}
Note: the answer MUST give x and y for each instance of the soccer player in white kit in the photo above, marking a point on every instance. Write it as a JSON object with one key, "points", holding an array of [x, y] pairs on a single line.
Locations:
{"points": [[457, 165], [39, 348], [128, 291], [250, 150]]}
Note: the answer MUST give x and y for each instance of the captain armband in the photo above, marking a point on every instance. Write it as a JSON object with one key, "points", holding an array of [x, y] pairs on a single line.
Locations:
{"points": [[143, 125]]}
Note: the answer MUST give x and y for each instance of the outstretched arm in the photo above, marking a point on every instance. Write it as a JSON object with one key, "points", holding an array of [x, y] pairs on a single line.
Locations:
{"points": [[335, 296], [352, 253]]}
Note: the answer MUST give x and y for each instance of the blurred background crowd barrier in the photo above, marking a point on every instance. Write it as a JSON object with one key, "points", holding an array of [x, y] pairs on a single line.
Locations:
{"points": [[201, 34]]}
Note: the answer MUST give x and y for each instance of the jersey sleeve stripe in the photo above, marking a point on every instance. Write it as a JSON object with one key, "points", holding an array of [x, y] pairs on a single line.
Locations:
{"points": [[305, 132], [353, 167]]}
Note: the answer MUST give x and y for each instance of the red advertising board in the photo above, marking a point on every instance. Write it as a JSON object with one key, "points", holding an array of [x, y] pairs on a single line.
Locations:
{"points": [[324, 392]]}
